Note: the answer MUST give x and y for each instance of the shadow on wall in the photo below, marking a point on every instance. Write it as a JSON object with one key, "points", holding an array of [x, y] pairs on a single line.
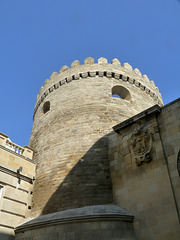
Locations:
{"points": [[88, 183], [5, 236]]}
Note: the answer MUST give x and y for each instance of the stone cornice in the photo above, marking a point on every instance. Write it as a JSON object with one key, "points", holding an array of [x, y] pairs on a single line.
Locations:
{"points": [[14, 173], [152, 110]]}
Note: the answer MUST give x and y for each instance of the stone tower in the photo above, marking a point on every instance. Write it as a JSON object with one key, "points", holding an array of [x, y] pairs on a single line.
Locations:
{"points": [[74, 113]]}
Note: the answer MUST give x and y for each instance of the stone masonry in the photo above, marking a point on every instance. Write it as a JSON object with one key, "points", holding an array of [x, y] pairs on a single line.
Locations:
{"points": [[150, 190], [107, 157], [74, 113]]}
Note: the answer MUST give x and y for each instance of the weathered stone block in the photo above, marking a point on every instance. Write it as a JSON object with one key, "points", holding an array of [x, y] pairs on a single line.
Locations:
{"points": [[101, 74], [116, 75], [92, 74], [124, 78], [89, 60], [69, 79], [56, 85], [76, 76], [76, 63], [131, 80], [62, 82], [109, 74], [84, 75], [51, 89]]}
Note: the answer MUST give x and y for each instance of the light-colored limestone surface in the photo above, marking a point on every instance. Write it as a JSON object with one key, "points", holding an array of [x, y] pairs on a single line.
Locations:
{"points": [[151, 190], [102, 68], [85, 172], [169, 124], [17, 171], [70, 140]]}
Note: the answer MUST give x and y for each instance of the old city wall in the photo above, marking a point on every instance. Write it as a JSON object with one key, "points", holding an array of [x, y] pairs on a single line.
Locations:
{"points": [[149, 190], [169, 124], [74, 112]]}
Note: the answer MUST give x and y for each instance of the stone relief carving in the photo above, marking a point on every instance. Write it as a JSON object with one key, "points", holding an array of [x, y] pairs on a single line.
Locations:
{"points": [[141, 146]]}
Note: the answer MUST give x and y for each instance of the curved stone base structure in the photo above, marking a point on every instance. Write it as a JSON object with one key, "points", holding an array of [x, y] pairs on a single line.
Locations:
{"points": [[107, 222]]}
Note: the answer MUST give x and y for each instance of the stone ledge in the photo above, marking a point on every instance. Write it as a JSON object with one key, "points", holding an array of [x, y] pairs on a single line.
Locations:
{"points": [[89, 213], [13, 172], [152, 110]]}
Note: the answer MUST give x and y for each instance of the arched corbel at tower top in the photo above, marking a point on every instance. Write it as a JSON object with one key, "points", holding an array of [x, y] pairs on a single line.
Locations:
{"points": [[112, 70]]}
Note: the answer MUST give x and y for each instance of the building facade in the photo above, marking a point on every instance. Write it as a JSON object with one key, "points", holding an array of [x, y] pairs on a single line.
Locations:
{"points": [[106, 155], [17, 173], [143, 155]]}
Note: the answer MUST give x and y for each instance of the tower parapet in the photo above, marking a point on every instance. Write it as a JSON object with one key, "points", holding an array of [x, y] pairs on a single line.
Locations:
{"points": [[124, 74]]}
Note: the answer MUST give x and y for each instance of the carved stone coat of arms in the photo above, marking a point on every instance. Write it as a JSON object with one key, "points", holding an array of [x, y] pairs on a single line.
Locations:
{"points": [[141, 146]]}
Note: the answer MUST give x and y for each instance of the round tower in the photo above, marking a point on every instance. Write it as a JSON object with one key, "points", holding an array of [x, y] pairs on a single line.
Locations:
{"points": [[74, 112]]}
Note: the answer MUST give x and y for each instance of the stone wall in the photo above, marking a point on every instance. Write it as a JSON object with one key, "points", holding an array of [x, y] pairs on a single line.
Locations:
{"points": [[143, 162], [74, 112], [169, 124]]}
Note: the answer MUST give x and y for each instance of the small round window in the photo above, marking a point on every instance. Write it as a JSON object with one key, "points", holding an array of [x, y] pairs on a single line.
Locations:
{"points": [[121, 92], [46, 107]]}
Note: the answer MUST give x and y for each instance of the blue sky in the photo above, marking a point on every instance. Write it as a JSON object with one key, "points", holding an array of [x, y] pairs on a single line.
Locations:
{"points": [[37, 37]]}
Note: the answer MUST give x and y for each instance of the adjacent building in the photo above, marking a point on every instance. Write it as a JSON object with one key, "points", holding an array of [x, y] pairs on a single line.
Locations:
{"points": [[17, 174]]}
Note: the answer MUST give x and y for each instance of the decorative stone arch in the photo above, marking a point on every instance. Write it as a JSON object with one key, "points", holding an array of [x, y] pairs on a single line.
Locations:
{"points": [[121, 92], [178, 162], [46, 107]]}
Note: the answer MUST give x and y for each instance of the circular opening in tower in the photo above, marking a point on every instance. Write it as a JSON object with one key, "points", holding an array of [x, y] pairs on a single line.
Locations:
{"points": [[121, 92], [46, 107]]}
